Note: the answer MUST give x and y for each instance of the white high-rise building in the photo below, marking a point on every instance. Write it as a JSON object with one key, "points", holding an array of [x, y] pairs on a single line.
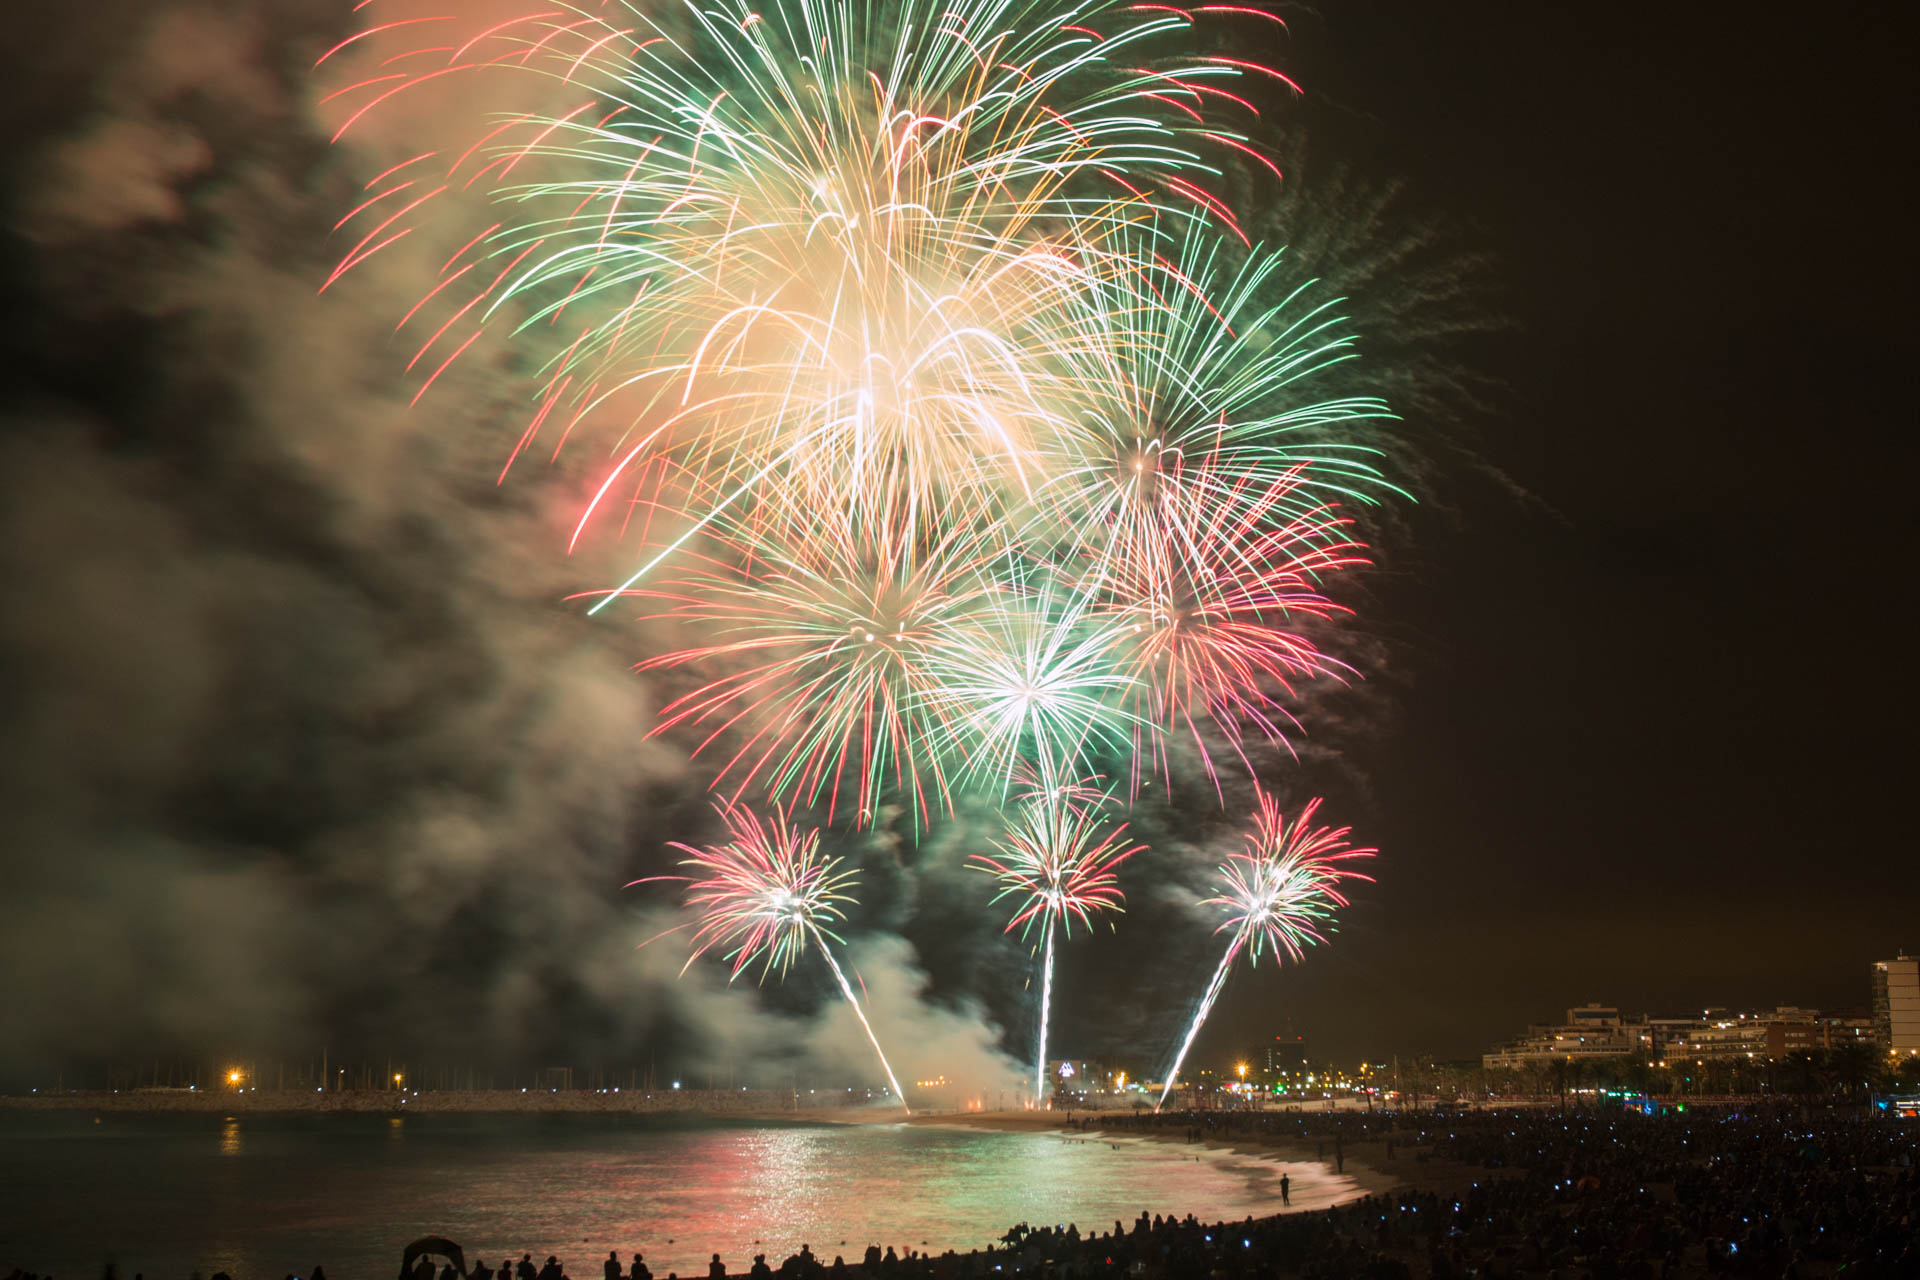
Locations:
{"points": [[1896, 1004]]}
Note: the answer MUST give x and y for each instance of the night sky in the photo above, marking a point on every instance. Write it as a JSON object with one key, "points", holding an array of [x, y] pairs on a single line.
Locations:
{"points": [[300, 743]]}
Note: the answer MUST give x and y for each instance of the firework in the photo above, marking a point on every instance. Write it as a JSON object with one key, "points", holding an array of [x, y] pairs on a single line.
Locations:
{"points": [[1214, 638], [1196, 499], [1034, 682], [947, 270], [1279, 893], [812, 248], [1057, 862], [827, 631], [1206, 370], [768, 894], [962, 440]]}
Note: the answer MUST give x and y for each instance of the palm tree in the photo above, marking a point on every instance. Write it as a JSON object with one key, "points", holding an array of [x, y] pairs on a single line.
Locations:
{"points": [[1800, 1077], [1852, 1067]]}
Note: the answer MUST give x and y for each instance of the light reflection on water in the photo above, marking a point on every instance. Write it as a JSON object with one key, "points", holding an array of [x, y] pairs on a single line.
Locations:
{"points": [[268, 1196]]}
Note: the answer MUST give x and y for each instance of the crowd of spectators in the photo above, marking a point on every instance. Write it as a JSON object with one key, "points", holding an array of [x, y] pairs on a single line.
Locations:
{"points": [[1607, 1195]]}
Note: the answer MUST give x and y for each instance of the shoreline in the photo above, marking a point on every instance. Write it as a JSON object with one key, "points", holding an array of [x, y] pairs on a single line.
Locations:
{"points": [[754, 1105], [1365, 1165]]}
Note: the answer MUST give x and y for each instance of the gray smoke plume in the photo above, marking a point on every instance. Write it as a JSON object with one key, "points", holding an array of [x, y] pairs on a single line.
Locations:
{"points": [[303, 745]]}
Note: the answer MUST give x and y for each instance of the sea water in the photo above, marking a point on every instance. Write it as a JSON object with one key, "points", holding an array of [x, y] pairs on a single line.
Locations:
{"points": [[260, 1197]]}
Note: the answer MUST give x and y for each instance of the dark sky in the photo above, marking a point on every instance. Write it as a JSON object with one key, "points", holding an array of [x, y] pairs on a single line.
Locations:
{"points": [[1651, 743], [298, 738]]}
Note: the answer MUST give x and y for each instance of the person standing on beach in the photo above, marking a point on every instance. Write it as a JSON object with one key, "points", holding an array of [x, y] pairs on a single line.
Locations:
{"points": [[1286, 1190]]}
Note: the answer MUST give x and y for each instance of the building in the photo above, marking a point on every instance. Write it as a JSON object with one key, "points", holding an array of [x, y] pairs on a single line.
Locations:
{"points": [[1283, 1054], [1590, 1031], [1791, 1030], [1718, 1034], [1074, 1075], [1896, 1004], [1599, 1031]]}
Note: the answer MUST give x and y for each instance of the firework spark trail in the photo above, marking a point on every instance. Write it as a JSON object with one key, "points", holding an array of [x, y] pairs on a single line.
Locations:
{"points": [[866, 1026], [1046, 1012], [768, 894], [1058, 862], [1214, 987], [1280, 892]]}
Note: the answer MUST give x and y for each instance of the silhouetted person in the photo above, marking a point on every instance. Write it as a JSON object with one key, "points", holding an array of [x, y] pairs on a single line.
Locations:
{"points": [[611, 1266], [524, 1270], [638, 1271], [760, 1270], [870, 1260], [423, 1269], [449, 1273], [506, 1270], [319, 1273], [481, 1271], [1286, 1189], [716, 1270], [552, 1270]]}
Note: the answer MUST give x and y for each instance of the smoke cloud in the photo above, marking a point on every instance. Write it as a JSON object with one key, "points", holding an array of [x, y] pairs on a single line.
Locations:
{"points": [[306, 747]]}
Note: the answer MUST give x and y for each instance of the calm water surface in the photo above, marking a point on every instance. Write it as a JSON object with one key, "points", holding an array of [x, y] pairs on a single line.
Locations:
{"points": [[259, 1196]]}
